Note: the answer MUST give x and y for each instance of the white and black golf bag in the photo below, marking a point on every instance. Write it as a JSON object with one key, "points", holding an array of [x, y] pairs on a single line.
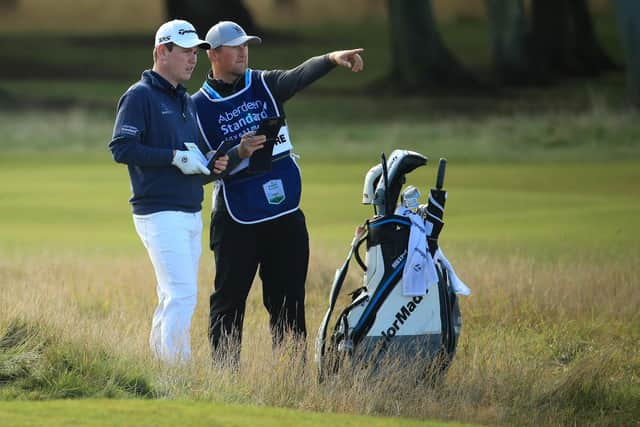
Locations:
{"points": [[384, 319]]}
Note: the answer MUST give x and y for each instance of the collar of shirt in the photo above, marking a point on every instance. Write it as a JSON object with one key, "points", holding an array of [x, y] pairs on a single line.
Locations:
{"points": [[223, 88], [159, 81]]}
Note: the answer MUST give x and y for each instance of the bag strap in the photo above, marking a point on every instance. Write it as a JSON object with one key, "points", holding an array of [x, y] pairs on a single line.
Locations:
{"points": [[338, 280]]}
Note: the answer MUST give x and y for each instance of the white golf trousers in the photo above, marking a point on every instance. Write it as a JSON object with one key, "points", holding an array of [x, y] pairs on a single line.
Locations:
{"points": [[173, 241]]}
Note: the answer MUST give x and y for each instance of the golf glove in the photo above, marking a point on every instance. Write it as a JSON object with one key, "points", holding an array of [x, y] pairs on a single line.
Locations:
{"points": [[188, 163]]}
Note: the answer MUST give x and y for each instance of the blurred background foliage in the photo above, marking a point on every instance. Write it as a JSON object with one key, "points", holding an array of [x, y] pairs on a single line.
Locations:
{"points": [[86, 52]]}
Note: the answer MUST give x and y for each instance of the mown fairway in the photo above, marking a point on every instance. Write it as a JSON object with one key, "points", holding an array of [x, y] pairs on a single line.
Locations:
{"points": [[163, 413], [555, 209]]}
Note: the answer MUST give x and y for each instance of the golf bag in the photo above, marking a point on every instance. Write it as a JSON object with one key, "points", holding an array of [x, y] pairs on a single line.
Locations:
{"points": [[386, 317]]}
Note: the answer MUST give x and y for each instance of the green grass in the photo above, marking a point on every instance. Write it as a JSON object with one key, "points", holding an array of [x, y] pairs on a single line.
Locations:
{"points": [[536, 209], [170, 413], [571, 177], [37, 364], [558, 209]]}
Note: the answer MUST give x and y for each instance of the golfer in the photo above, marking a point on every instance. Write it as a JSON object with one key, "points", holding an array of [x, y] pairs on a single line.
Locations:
{"points": [[256, 221], [155, 119]]}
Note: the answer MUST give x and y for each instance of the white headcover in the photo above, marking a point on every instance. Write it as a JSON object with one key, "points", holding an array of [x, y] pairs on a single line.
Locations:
{"points": [[370, 182]]}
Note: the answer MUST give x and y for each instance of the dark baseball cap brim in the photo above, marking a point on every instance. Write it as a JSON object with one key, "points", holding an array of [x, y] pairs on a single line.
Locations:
{"points": [[189, 42], [202, 45]]}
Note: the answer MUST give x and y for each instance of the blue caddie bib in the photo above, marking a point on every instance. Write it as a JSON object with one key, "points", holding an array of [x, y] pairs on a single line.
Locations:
{"points": [[250, 197]]}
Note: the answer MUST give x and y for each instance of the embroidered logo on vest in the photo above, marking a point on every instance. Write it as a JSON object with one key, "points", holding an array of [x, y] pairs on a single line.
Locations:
{"points": [[274, 191]]}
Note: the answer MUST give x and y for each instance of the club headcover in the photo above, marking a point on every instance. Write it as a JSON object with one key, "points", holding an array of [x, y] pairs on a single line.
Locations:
{"points": [[370, 183], [399, 163]]}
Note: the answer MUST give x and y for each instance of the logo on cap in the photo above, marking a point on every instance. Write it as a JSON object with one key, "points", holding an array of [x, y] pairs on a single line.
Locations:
{"points": [[182, 31], [238, 29]]}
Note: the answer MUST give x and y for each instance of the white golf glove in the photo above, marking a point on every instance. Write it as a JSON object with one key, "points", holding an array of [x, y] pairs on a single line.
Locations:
{"points": [[188, 163]]}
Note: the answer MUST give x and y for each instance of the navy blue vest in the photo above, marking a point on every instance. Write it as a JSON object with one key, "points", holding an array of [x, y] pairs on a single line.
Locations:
{"points": [[250, 197]]}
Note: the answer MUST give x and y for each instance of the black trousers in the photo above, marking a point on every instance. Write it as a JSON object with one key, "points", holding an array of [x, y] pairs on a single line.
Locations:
{"points": [[280, 248]]}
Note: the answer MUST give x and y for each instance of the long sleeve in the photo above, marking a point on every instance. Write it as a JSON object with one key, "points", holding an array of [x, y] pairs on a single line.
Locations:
{"points": [[286, 83], [128, 141]]}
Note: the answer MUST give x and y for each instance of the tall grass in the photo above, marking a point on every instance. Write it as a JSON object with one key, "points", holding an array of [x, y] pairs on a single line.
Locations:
{"points": [[541, 344]]}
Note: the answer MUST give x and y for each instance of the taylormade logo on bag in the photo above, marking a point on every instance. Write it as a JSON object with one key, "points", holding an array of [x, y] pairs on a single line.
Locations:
{"points": [[401, 317]]}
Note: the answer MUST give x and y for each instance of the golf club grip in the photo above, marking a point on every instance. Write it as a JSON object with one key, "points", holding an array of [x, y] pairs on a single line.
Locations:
{"points": [[442, 166]]}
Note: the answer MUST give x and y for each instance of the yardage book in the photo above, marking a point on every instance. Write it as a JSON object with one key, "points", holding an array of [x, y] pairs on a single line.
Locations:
{"points": [[260, 161]]}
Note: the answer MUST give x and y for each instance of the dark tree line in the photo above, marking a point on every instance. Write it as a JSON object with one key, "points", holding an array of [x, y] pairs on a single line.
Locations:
{"points": [[203, 14], [628, 12], [564, 41], [556, 40], [419, 56]]}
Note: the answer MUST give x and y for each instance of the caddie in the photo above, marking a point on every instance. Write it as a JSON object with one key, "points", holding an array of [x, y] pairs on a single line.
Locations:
{"points": [[256, 221]]}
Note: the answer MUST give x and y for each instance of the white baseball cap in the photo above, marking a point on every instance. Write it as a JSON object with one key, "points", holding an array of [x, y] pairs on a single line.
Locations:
{"points": [[181, 33], [227, 33]]}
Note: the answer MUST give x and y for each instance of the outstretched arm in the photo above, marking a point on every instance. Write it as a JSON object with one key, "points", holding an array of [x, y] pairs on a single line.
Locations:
{"points": [[286, 83]]}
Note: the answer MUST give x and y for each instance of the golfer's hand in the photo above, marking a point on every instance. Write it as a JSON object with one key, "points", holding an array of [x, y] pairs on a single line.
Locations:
{"points": [[249, 143], [188, 163], [220, 165], [348, 58]]}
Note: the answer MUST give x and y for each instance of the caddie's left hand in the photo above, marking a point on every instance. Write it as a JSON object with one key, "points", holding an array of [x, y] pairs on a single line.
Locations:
{"points": [[348, 58]]}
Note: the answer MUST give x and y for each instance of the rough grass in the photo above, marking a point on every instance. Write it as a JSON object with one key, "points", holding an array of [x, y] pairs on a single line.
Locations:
{"points": [[541, 344]]}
